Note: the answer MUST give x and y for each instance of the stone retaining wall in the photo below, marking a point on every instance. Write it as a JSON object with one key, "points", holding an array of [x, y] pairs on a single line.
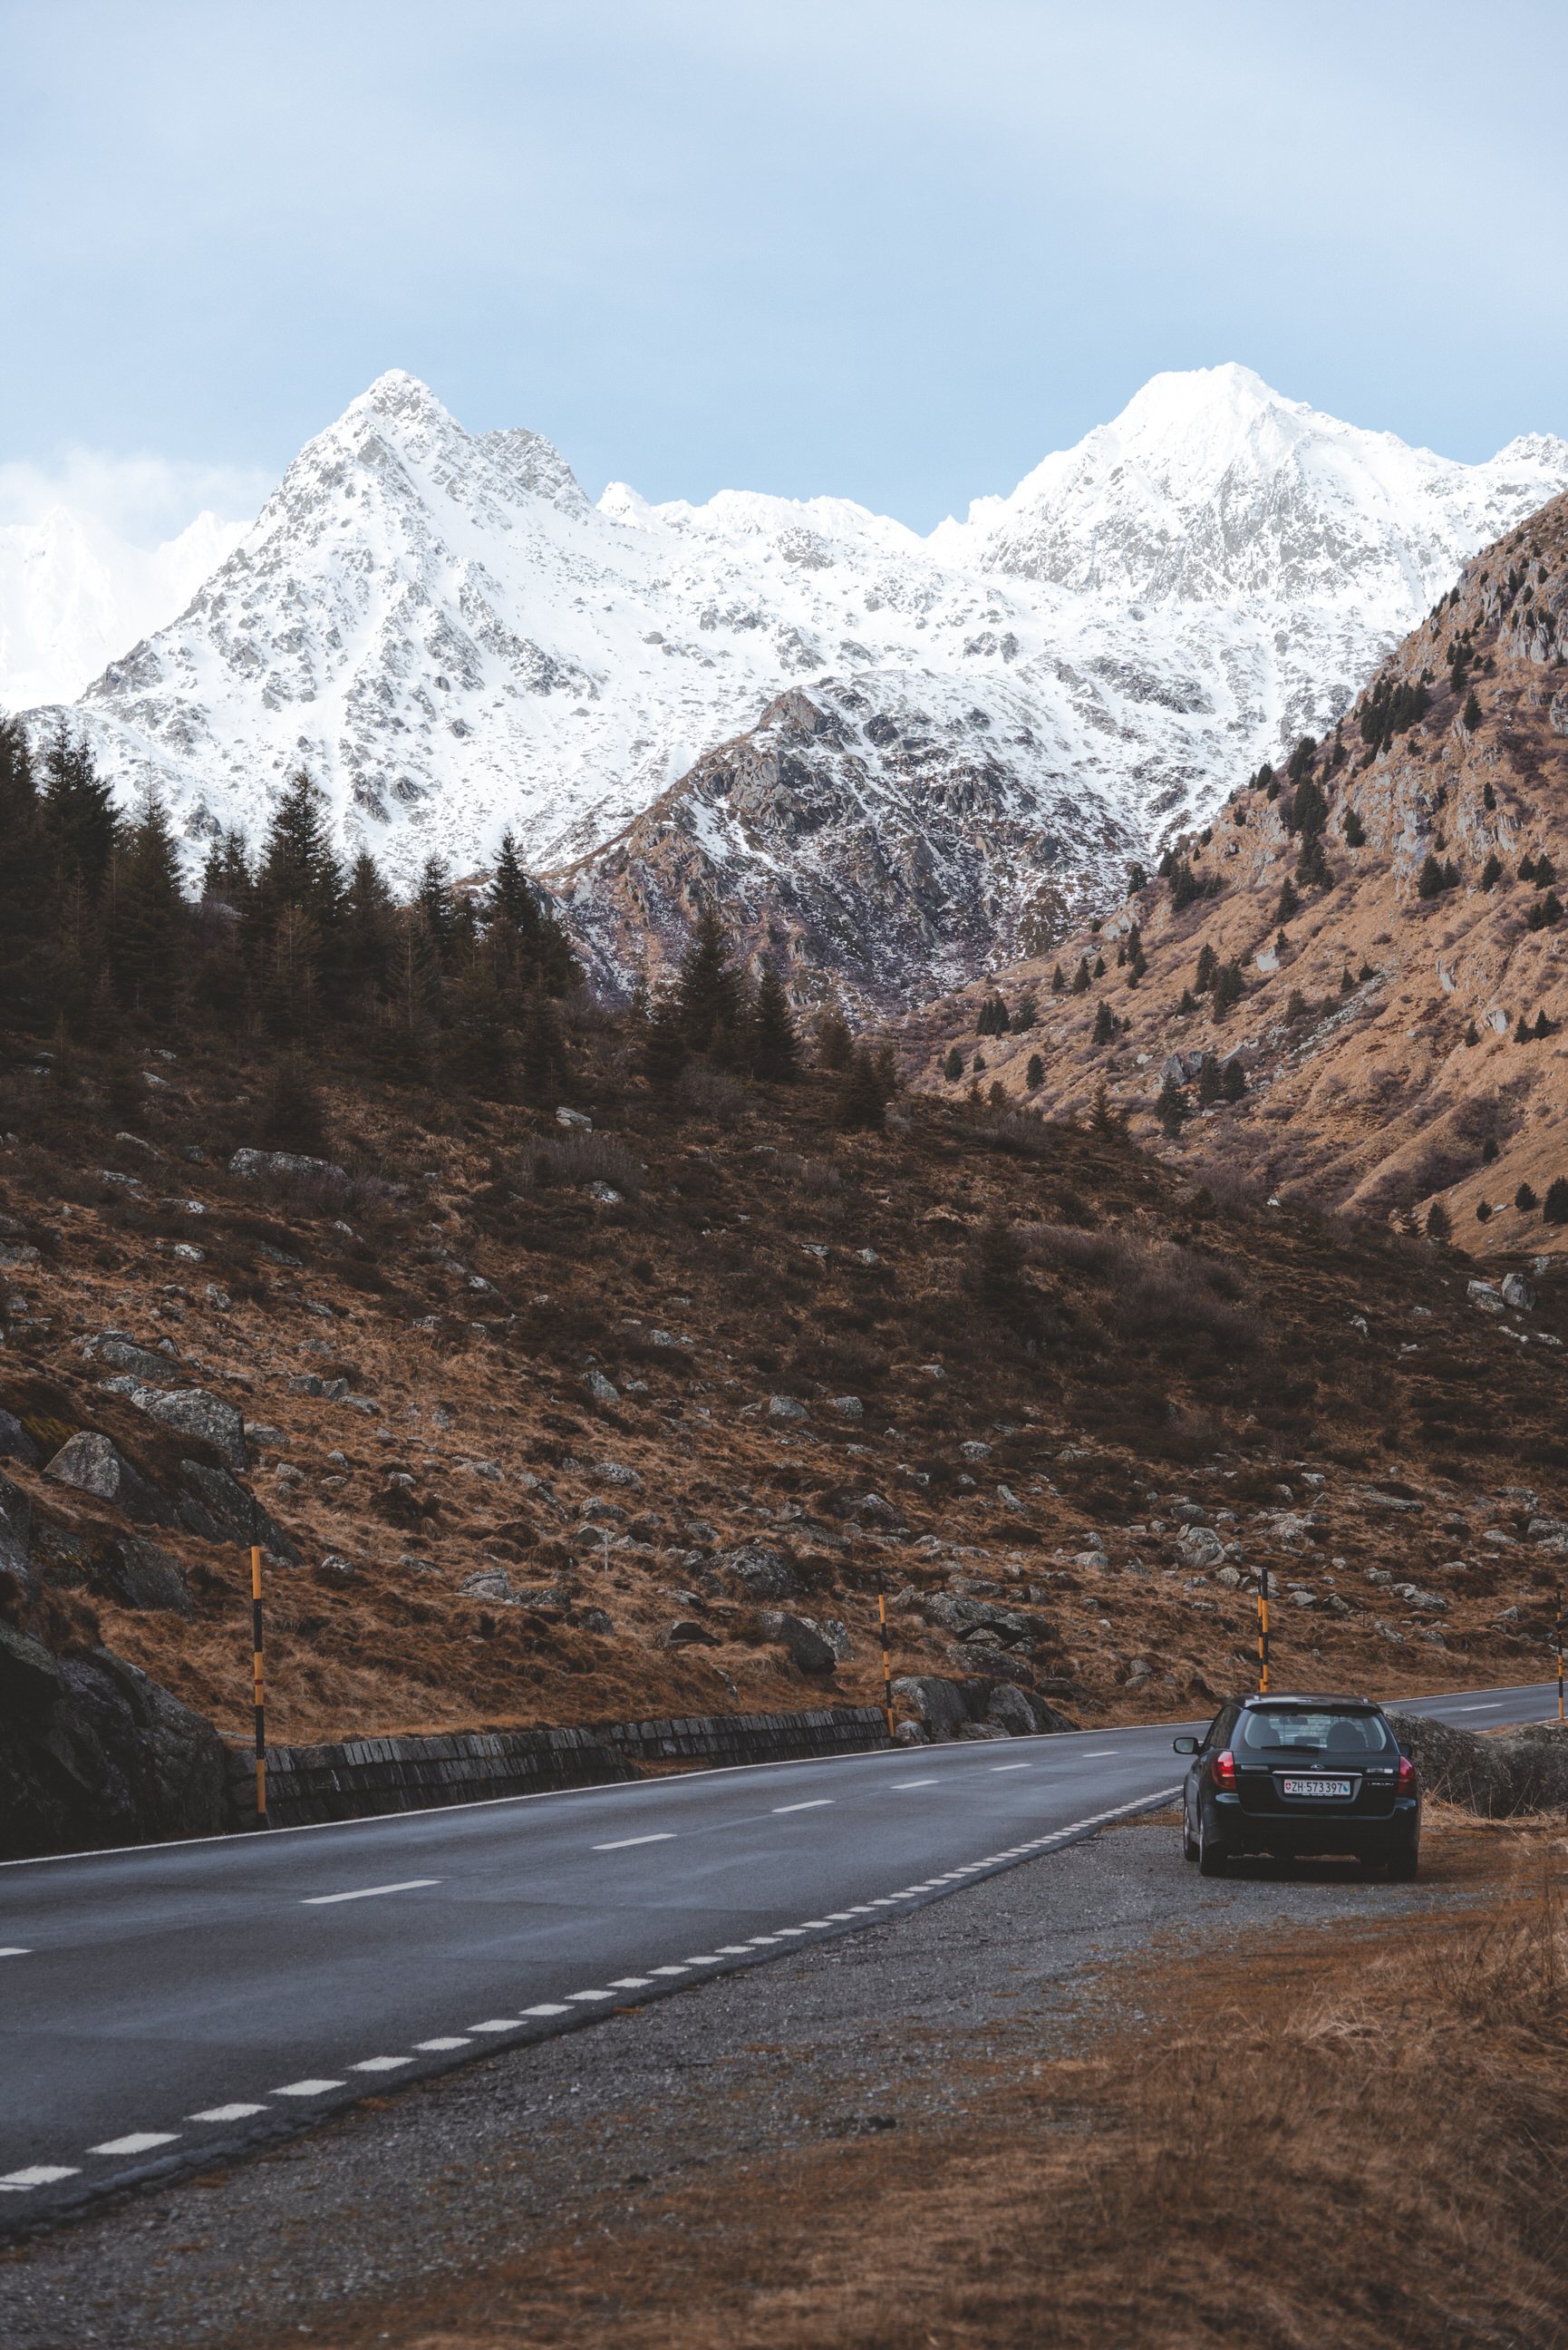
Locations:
{"points": [[369, 1776]]}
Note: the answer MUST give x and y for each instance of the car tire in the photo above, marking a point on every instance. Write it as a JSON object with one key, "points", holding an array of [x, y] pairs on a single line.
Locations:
{"points": [[1404, 1864], [1189, 1848], [1210, 1857]]}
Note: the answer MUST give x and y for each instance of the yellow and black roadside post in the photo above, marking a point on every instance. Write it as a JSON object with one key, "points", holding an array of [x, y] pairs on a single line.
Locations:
{"points": [[1262, 1630], [261, 1703], [1559, 1652], [886, 1659]]}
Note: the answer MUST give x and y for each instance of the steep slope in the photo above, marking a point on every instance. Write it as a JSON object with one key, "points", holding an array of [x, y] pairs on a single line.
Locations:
{"points": [[72, 594], [444, 631], [1377, 1027]]}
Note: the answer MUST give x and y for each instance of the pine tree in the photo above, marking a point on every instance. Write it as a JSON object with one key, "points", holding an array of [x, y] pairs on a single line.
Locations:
{"points": [[1542, 1026], [432, 895], [1233, 1082], [1524, 1199], [1229, 988], [1034, 1076], [526, 932], [1290, 905], [665, 1051], [775, 1047], [1470, 717], [860, 1101], [298, 865], [1346, 984], [1081, 977], [1483, 1211], [1489, 797], [1439, 1224], [145, 938], [1355, 831], [707, 991], [835, 1044], [1103, 1119], [1208, 964], [1210, 1084], [294, 1118], [1554, 1208], [1521, 1030], [1027, 1015], [1186, 1005], [76, 813], [1170, 1109], [1491, 872], [952, 1067], [1098, 971], [541, 1055], [1430, 883], [1104, 1026], [476, 1053], [1472, 1035], [24, 881], [1058, 984]]}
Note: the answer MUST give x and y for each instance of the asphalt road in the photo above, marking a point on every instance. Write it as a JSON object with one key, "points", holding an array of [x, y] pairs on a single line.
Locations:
{"points": [[166, 2007]]}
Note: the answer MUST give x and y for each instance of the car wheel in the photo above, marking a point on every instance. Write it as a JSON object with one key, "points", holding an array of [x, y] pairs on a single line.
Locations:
{"points": [[1210, 1857], [1402, 1864], [1188, 1846]]}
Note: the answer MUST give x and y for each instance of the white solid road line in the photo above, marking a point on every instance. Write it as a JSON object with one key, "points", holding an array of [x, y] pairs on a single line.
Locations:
{"points": [[818, 1803], [624, 1844], [365, 1892], [226, 2113], [137, 2143]]}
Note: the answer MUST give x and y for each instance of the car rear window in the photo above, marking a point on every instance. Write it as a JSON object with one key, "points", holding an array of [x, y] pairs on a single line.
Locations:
{"points": [[1294, 1729]]}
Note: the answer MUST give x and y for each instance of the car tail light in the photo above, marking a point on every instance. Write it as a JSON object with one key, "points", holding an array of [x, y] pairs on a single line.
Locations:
{"points": [[1406, 1775], [1225, 1770]]}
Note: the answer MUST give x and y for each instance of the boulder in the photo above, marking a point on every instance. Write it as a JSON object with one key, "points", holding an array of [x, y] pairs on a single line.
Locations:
{"points": [[783, 1406], [803, 1642], [193, 1412], [939, 1702], [1021, 1713], [1518, 1293], [252, 1163], [911, 1734], [219, 1508], [847, 1407], [1495, 1777], [1200, 1546], [1482, 1293], [15, 1444], [684, 1634], [122, 1353], [575, 1119], [616, 1472], [969, 1655], [140, 1574], [600, 1388], [94, 1464], [762, 1573], [836, 1636], [490, 1583]]}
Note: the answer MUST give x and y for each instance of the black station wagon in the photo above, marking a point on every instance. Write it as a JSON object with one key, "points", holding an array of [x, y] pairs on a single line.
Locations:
{"points": [[1291, 1775]]}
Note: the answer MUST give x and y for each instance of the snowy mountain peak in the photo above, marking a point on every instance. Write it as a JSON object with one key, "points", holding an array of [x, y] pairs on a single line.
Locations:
{"points": [[451, 638]]}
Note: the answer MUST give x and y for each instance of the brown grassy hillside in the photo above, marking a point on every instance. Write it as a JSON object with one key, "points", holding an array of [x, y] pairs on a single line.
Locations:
{"points": [[1063, 1350], [1377, 1040]]}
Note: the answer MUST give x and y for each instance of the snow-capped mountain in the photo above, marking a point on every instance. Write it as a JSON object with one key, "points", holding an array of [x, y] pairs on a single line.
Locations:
{"points": [[896, 753], [72, 593]]}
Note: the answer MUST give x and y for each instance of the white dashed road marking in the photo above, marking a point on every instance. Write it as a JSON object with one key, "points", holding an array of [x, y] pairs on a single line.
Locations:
{"points": [[624, 1844], [912, 1782], [1461, 1708], [366, 1893], [142, 2141], [1012, 1766], [818, 1803]]}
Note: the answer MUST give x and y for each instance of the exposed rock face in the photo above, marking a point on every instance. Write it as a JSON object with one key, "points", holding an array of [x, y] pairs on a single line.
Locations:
{"points": [[92, 1752], [192, 1411], [93, 1464]]}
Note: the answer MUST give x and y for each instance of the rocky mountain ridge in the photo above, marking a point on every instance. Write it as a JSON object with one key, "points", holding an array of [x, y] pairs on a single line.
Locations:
{"points": [[1399, 1033], [444, 631]]}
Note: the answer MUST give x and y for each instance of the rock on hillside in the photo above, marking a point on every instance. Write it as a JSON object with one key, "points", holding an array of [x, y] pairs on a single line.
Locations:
{"points": [[1377, 1027]]}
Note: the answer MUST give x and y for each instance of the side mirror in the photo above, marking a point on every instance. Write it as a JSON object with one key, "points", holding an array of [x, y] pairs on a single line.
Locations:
{"points": [[1184, 1745]]}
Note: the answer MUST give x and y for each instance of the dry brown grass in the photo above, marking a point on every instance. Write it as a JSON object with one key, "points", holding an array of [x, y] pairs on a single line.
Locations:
{"points": [[1354, 2139]]}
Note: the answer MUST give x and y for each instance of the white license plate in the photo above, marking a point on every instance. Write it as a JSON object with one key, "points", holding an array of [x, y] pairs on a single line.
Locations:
{"points": [[1317, 1786]]}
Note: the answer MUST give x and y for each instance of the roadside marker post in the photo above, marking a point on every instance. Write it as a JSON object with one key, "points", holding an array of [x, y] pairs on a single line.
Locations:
{"points": [[261, 1703], [1262, 1630], [887, 1659], [1560, 1652]]}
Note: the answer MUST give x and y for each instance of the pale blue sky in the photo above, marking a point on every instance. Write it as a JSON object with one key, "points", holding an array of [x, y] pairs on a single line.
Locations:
{"points": [[896, 253]]}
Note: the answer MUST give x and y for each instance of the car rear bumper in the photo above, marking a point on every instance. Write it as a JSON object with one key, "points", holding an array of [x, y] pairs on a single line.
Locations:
{"points": [[1297, 1834]]}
